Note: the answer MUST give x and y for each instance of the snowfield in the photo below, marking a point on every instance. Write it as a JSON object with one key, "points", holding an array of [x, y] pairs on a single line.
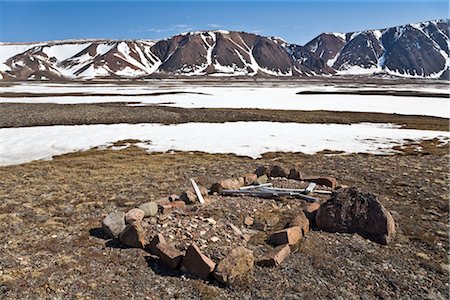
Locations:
{"points": [[20, 145], [240, 97]]}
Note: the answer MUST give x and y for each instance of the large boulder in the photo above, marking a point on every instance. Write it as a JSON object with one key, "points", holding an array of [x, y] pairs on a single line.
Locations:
{"points": [[114, 223], [353, 211], [239, 261]]}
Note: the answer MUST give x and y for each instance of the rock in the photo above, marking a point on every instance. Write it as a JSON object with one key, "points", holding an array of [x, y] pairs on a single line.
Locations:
{"points": [[248, 221], [196, 263], [325, 181], [113, 224], [262, 170], [227, 184], [291, 236], [134, 215], [422, 255], [151, 247], [258, 225], [249, 178], [168, 255], [133, 236], [214, 239], [311, 211], [352, 211], [295, 174], [261, 180], [150, 209], [188, 197], [274, 257], [239, 261], [178, 204], [173, 198], [278, 171], [301, 221]]}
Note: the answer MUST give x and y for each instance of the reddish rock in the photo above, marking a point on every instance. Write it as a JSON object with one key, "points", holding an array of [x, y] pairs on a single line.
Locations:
{"points": [[291, 236], [274, 257], [353, 211], [325, 181], [239, 261], [134, 215], [301, 221], [196, 263], [295, 174], [178, 204], [311, 211], [227, 184], [249, 178], [168, 255], [278, 171], [248, 221], [114, 223], [133, 236], [262, 170]]}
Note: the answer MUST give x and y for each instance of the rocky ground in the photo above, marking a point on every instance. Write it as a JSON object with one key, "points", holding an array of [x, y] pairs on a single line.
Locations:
{"points": [[20, 115], [52, 246]]}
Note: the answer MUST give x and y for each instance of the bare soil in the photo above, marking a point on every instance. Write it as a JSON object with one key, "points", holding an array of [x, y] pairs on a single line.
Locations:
{"points": [[24, 115], [51, 246]]}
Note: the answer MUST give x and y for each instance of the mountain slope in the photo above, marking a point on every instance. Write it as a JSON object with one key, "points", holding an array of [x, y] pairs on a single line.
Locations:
{"points": [[412, 50]]}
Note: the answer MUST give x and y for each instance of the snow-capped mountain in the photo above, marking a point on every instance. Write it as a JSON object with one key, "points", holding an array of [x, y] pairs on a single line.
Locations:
{"points": [[414, 50]]}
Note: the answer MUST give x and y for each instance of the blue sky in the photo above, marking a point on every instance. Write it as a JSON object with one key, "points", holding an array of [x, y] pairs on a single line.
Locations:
{"points": [[295, 21]]}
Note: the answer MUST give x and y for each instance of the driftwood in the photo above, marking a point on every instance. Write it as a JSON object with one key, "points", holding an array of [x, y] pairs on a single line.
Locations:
{"points": [[197, 191]]}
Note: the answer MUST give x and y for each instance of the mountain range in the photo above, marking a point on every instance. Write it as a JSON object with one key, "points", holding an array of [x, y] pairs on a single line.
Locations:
{"points": [[419, 50]]}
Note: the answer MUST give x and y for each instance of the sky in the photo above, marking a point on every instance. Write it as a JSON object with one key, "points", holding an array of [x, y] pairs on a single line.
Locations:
{"points": [[295, 21]]}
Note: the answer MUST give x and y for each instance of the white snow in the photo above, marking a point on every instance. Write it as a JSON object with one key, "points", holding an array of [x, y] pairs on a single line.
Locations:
{"points": [[9, 50], [249, 97], [252, 139], [65, 51]]}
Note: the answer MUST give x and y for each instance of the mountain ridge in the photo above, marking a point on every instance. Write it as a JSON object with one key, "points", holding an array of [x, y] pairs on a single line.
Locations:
{"points": [[411, 50]]}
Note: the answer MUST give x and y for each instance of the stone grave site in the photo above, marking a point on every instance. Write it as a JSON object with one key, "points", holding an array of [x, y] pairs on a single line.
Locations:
{"points": [[221, 233]]}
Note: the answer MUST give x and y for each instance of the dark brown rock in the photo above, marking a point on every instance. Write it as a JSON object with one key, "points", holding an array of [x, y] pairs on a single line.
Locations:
{"points": [[291, 236], [274, 257], [168, 255], [196, 263], [133, 236], [278, 171], [295, 174], [189, 197], [114, 223], [239, 261], [311, 211], [353, 211], [262, 170]]}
